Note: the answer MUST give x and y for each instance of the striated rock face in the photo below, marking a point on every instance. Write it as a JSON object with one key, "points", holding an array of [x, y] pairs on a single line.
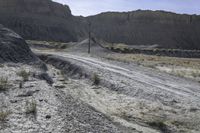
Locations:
{"points": [[13, 48], [41, 20], [168, 30], [41, 7], [51, 21]]}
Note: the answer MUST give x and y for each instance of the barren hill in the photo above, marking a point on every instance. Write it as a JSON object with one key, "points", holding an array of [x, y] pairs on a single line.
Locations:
{"points": [[13, 48], [48, 20], [168, 30], [40, 20]]}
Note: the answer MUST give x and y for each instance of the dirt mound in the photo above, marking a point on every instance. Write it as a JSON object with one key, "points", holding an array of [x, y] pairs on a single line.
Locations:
{"points": [[13, 48]]}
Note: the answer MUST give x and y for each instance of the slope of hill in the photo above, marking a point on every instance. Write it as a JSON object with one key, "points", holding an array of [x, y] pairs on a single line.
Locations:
{"points": [[41, 20], [168, 30], [13, 48]]}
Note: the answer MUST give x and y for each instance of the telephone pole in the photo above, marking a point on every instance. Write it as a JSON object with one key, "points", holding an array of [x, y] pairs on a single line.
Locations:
{"points": [[89, 35]]}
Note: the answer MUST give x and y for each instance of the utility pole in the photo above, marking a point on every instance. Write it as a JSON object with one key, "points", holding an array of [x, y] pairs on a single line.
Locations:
{"points": [[89, 34]]}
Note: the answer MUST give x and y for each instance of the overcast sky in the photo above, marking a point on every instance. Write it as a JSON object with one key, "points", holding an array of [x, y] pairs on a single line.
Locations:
{"points": [[91, 7]]}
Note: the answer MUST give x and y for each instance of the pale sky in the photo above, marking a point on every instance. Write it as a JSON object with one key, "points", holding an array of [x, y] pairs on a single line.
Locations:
{"points": [[92, 7]]}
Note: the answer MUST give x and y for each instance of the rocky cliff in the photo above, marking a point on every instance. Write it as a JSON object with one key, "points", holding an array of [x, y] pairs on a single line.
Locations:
{"points": [[168, 30], [41, 20], [51, 21], [13, 48]]}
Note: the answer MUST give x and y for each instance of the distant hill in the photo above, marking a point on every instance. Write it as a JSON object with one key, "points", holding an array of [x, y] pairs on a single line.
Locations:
{"points": [[168, 30], [41, 20], [47, 20]]}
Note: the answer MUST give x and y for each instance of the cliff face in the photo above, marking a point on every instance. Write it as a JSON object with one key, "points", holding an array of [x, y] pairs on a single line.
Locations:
{"points": [[166, 29], [41, 7], [41, 20], [51, 21]]}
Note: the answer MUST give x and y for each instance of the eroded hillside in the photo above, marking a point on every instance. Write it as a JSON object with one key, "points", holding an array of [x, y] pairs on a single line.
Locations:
{"points": [[48, 20]]}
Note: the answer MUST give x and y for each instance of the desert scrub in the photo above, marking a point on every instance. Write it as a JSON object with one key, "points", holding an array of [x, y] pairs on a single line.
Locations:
{"points": [[160, 125], [3, 84], [195, 74], [1, 65], [96, 79], [24, 74], [4, 115], [31, 107]]}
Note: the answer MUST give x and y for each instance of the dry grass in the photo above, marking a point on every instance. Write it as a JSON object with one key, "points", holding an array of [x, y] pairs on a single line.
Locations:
{"points": [[155, 60], [160, 125], [51, 44], [96, 79], [3, 84], [184, 67], [4, 115], [1, 65], [24, 74], [31, 108]]}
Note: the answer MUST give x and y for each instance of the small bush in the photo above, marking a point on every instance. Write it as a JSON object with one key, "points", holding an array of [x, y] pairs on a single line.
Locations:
{"points": [[159, 125], [20, 85], [4, 115], [31, 108], [96, 79], [1, 65], [3, 84], [24, 74]]}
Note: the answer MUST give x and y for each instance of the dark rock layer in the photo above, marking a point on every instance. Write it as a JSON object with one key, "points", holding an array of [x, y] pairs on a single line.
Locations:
{"points": [[13, 48]]}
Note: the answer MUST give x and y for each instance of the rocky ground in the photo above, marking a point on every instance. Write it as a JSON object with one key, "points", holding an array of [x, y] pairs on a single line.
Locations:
{"points": [[31, 104], [77, 92], [141, 99]]}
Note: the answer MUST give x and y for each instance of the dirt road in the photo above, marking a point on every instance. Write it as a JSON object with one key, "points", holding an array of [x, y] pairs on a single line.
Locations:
{"points": [[139, 81], [173, 96]]}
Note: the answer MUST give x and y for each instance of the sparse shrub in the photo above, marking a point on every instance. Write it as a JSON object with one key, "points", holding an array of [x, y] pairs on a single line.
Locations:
{"points": [[3, 84], [24, 74], [1, 65], [4, 115], [159, 125], [195, 74], [63, 46], [31, 108], [96, 79], [20, 85]]}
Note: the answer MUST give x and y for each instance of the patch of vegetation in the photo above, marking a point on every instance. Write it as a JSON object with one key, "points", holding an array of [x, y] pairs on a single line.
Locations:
{"points": [[193, 109], [1, 65], [63, 46], [31, 108], [3, 84], [195, 74], [24, 74], [4, 115], [20, 85], [177, 123], [96, 79], [160, 125]]}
